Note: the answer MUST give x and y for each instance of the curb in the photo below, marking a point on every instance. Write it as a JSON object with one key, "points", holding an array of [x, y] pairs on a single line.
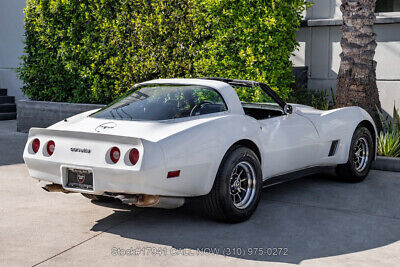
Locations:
{"points": [[386, 164]]}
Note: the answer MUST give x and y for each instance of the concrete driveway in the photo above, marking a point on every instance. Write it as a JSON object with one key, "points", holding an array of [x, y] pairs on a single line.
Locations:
{"points": [[316, 220]]}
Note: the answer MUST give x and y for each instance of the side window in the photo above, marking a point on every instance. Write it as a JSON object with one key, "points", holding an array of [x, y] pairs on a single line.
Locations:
{"points": [[257, 104], [207, 101], [253, 95], [387, 6]]}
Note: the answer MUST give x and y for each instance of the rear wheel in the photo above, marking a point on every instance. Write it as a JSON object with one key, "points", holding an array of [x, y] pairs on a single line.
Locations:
{"points": [[361, 155], [97, 198], [237, 187]]}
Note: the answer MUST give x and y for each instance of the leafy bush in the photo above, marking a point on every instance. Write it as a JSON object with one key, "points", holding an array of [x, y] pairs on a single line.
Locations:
{"points": [[94, 50], [389, 137], [251, 40]]}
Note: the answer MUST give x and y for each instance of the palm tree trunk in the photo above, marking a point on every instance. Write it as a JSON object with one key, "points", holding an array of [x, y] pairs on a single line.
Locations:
{"points": [[357, 73]]}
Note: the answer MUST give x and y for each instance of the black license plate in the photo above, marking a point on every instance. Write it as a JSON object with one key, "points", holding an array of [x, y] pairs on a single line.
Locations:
{"points": [[81, 179]]}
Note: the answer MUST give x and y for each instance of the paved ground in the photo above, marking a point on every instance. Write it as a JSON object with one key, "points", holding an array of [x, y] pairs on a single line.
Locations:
{"points": [[318, 220]]}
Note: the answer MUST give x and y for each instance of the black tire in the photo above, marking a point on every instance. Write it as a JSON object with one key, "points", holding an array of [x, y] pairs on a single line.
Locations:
{"points": [[97, 198], [218, 204], [348, 172]]}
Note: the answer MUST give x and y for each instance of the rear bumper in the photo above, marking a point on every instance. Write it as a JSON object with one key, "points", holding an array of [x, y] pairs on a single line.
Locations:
{"points": [[116, 180]]}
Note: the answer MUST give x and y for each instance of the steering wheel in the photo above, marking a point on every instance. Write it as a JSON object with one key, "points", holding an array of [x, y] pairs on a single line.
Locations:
{"points": [[198, 106]]}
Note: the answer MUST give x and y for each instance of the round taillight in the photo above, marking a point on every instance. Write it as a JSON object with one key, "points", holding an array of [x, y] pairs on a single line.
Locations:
{"points": [[35, 145], [134, 156], [115, 154], [51, 146]]}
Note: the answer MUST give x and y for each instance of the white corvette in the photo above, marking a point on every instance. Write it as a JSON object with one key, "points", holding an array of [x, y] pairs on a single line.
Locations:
{"points": [[175, 140]]}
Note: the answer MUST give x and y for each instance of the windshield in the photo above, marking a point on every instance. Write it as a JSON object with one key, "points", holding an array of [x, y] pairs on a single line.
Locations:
{"points": [[163, 102]]}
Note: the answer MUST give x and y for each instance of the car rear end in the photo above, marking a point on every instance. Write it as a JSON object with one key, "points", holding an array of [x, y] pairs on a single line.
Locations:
{"points": [[98, 164]]}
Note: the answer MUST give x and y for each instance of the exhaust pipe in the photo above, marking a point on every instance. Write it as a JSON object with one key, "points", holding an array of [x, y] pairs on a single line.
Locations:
{"points": [[55, 188], [170, 202], [152, 201], [148, 201], [126, 199]]}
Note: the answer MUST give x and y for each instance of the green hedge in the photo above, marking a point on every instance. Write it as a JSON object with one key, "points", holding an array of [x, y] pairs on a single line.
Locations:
{"points": [[94, 50]]}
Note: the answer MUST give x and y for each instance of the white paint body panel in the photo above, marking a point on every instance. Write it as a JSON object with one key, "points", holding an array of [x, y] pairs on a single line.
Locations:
{"points": [[194, 145]]}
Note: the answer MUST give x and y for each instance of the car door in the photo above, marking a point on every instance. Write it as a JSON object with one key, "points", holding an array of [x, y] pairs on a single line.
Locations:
{"points": [[289, 143]]}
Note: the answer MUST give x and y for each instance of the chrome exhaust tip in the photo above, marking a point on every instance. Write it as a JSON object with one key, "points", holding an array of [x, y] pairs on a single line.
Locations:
{"points": [[126, 199]]}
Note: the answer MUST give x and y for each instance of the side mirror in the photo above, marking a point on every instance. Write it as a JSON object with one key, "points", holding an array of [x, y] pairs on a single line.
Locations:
{"points": [[288, 109]]}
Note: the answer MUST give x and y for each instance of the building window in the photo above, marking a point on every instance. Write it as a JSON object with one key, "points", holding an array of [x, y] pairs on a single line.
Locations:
{"points": [[387, 6]]}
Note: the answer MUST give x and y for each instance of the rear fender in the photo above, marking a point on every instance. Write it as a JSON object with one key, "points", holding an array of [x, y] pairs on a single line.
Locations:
{"points": [[199, 151]]}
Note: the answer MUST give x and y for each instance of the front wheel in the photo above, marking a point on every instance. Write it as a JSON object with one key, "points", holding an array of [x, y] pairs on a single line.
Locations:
{"points": [[361, 155], [237, 187]]}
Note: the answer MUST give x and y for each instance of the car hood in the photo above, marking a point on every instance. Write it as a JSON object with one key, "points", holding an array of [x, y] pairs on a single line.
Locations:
{"points": [[153, 131]]}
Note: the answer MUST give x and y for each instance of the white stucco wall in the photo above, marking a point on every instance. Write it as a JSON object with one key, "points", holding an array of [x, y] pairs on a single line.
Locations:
{"points": [[11, 44], [320, 49], [324, 9]]}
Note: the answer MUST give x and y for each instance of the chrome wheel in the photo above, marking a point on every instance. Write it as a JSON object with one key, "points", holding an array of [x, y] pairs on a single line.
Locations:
{"points": [[361, 154], [243, 185]]}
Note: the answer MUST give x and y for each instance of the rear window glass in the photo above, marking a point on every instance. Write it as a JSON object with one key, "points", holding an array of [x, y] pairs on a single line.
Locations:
{"points": [[164, 102]]}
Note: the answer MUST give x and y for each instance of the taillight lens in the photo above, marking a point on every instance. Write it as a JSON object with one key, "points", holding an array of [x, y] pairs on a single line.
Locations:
{"points": [[51, 146], [134, 156], [115, 154], [35, 145]]}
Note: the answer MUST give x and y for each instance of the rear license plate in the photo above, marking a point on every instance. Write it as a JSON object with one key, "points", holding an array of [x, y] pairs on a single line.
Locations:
{"points": [[81, 179]]}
